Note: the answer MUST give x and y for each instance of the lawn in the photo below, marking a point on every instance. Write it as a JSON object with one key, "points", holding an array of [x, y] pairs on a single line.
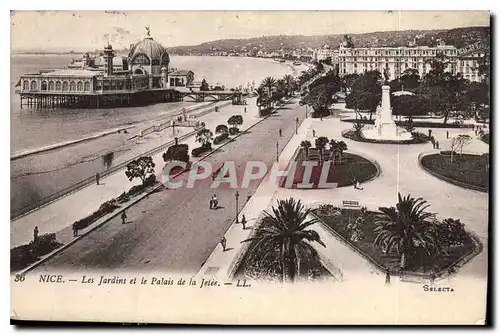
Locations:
{"points": [[339, 220], [342, 172], [466, 170]]}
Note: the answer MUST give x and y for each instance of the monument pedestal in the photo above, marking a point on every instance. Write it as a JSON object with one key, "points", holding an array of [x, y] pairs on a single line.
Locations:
{"points": [[385, 128]]}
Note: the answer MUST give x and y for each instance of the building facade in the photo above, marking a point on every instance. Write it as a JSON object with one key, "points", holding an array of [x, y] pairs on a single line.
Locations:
{"points": [[394, 60]]}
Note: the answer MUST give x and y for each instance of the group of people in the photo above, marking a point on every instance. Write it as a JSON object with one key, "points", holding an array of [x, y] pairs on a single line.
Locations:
{"points": [[435, 144], [478, 130]]}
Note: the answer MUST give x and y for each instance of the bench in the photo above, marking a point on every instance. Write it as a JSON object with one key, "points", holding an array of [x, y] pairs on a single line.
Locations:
{"points": [[350, 204]]}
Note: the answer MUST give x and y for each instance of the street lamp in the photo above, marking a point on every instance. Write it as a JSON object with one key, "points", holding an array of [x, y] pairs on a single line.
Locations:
{"points": [[296, 125], [237, 195], [277, 152]]}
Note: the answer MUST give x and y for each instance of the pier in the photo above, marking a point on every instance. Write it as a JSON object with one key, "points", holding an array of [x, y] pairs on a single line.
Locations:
{"points": [[109, 99]]}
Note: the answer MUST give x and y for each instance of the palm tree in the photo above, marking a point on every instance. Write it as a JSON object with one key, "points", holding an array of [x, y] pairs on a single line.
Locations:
{"points": [[269, 83], [406, 228], [283, 236], [306, 145], [262, 96], [290, 82], [320, 143]]}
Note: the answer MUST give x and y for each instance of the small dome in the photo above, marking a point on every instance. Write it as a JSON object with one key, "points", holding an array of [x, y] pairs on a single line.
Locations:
{"points": [[148, 47], [326, 46]]}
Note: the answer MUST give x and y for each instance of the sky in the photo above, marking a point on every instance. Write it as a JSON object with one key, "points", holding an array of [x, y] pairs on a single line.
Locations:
{"points": [[89, 30]]}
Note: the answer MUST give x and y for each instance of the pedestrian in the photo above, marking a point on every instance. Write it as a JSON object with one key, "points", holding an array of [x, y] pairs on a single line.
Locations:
{"points": [[124, 217], [243, 221], [97, 178], [387, 277], [447, 134], [35, 233], [211, 202], [430, 132], [223, 243], [75, 230], [358, 186], [355, 182], [245, 109], [215, 201], [314, 133], [280, 131], [437, 144]]}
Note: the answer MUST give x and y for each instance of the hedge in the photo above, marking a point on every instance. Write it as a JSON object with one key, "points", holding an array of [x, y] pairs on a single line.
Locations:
{"points": [[177, 152], [221, 138], [26, 254], [197, 152], [417, 138], [415, 124], [233, 131]]}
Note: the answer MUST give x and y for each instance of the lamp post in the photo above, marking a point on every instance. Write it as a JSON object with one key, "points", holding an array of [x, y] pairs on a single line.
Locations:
{"points": [[277, 153], [237, 195], [296, 125]]}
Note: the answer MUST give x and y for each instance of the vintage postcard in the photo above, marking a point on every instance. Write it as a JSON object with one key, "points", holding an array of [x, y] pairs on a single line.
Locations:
{"points": [[250, 167]]}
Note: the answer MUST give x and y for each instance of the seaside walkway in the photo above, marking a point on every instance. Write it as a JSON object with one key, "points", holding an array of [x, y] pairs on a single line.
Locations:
{"points": [[64, 211]]}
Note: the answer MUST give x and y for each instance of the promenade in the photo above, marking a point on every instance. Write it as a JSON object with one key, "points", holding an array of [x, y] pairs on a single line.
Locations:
{"points": [[63, 212]]}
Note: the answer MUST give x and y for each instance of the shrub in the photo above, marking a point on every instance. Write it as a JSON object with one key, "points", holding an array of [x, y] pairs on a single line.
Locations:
{"points": [[320, 113], [26, 254], [220, 138], [328, 209], [124, 197], [233, 131], [197, 152], [177, 152], [451, 233], [44, 244]]}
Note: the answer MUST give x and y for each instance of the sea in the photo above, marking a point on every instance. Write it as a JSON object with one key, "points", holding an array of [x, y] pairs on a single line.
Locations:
{"points": [[34, 128]]}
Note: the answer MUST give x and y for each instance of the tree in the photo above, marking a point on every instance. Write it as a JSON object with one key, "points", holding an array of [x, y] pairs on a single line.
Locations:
{"points": [[410, 80], [408, 229], [358, 127], [283, 236], [409, 106], [235, 121], [141, 168], [338, 148], [458, 143], [204, 85], [366, 92], [204, 137], [320, 144], [178, 152], [306, 145], [269, 83], [221, 129], [290, 84], [262, 97]]}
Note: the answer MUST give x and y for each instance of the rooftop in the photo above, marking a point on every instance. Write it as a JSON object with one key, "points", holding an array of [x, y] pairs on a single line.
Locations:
{"points": [[72, 73], [180, 73]]}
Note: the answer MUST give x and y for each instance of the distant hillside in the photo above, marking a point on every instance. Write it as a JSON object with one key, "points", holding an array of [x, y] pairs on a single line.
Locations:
{"points": [[458, 36]]}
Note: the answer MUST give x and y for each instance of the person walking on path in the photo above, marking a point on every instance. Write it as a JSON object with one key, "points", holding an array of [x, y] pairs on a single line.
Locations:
{"points": [[245, 109], [437, 144], [243, 221], [387, 277], [314, 133], [75, 230], [212, 203], [97, 178], [215, 202], [124, 217], [280, 132], [223, 243], [35, 233]]}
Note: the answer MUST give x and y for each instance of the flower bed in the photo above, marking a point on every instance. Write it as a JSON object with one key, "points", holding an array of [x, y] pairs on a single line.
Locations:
{"points": [[342, 173], [24, 255], [417, 138], [361, 239], [268, 268], [468, 171]]}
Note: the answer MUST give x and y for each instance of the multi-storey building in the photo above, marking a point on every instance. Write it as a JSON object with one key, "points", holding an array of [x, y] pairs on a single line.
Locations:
{"points": [[469, 59], [394, 60], [323, 53]]}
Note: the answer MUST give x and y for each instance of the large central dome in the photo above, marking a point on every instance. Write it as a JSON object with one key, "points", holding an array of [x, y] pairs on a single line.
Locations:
{"points": [[150, 48]]}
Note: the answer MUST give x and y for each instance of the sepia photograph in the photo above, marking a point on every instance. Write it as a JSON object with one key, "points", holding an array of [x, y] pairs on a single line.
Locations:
{"points": [[286, 167]]}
